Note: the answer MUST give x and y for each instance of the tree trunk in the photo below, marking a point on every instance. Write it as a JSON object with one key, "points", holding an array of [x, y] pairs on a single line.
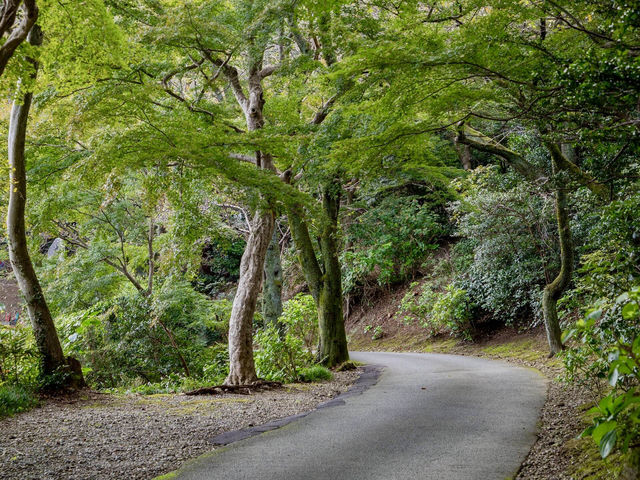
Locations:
{"points": [[325, 283], [333, 338], [272, 289], [47, 341], [554, 290], [242, 369]]}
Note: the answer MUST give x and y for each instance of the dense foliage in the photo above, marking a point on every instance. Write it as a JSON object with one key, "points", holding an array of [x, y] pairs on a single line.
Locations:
{"points": [[485, 149]]}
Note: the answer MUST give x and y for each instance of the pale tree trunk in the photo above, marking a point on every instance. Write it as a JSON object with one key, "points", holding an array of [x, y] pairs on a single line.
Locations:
{"points": [[464, 155], [47, 341], [242, 369], [272, 288], [553, 291]]}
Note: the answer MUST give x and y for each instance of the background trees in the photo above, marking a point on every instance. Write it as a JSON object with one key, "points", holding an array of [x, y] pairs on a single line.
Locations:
{"points": [[484, 149]]}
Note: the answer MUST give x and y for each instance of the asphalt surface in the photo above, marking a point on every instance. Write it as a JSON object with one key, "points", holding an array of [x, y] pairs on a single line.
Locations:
{"points": [[429, 416]]}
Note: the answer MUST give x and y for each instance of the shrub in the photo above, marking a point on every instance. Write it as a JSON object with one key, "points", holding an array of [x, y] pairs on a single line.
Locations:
{"points": [[617, 415], [300, 318], [454, 310], [132, 339], [18, 355], [438, 312], [509, 244], [16, 399], [314, 373], [391, 240], [280, 357]]}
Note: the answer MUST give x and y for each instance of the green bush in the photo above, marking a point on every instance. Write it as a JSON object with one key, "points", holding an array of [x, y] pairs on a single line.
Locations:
{"points": [[616, 421], [439, 312], [280, 357], [508, 247], [18, 355], [391, 240], [314, 373], [300, 318], [133, 340], [16, 399]]}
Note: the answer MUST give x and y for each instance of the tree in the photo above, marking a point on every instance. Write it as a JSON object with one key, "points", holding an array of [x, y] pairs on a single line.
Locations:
{"points": [[12, 34], [324, 279], [52, 358]]}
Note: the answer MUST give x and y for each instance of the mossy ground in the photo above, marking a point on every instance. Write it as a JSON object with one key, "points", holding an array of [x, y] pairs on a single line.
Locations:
{"points": [[589, 465]]}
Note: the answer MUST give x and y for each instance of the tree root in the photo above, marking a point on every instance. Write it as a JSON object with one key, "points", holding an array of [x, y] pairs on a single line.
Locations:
{"points": [[257, 386]]}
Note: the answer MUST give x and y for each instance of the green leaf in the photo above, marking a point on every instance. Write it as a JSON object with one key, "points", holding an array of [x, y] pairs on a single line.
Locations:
{"points": [[630, 311], [607, 443], [603, 429]]}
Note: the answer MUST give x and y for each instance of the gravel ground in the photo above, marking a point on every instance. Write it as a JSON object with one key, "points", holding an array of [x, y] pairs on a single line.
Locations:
{"points": [[98, 436]]}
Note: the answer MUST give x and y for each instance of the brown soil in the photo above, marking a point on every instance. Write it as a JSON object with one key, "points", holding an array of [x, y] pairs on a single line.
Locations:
{"points": [[99, 436]]}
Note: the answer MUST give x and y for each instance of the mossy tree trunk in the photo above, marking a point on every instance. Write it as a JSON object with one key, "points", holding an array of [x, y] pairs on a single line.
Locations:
{"points": [[554, 290], [272, 288], [51, 356], [325, 281]]}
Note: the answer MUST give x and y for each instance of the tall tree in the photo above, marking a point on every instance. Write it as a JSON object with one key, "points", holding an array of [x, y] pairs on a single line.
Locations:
{"points": [[51, 355]]}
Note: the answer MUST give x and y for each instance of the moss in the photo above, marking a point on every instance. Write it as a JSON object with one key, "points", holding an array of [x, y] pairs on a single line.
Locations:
{"points": [[441, 346], [523, 349], [587, 464], [167, 476], [348, 365]]}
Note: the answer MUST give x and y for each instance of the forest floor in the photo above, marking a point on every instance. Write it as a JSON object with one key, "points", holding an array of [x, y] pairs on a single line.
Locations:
{"points": [[104, 436], [558, 453]]}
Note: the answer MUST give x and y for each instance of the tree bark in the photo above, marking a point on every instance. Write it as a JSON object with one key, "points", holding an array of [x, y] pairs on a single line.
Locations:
{"points": [[272, 288], [242, 369], [16, 33], [46, 337], [469, 136], [325, 282], [554, 290], [333, 338]]}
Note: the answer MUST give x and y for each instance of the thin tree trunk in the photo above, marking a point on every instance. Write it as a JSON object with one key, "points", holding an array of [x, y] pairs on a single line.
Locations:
{"points": [[554, 290], [46, 336], [272, 289]]}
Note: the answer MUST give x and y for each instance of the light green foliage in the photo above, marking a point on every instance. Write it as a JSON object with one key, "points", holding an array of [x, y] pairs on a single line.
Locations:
{"points": [[617, 415], [438, 312], [300, 318], [18, 355], [287, 349], [280, 357], [125, 341]]}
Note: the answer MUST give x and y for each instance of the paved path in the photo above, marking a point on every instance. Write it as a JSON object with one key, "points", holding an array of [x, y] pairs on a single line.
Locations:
{"points": [[430, 416]]}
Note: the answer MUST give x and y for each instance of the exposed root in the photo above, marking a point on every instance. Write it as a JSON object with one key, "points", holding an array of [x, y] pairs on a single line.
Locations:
{"points": [[254, 387]]}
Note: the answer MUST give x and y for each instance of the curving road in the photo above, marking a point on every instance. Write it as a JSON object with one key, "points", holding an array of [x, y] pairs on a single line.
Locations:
{"points": [[430, 416]]}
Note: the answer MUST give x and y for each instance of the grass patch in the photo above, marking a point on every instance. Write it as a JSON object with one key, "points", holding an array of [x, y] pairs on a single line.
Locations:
{"points": [[523, 349], [15, 399], [315, 373], [441, 346]]}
